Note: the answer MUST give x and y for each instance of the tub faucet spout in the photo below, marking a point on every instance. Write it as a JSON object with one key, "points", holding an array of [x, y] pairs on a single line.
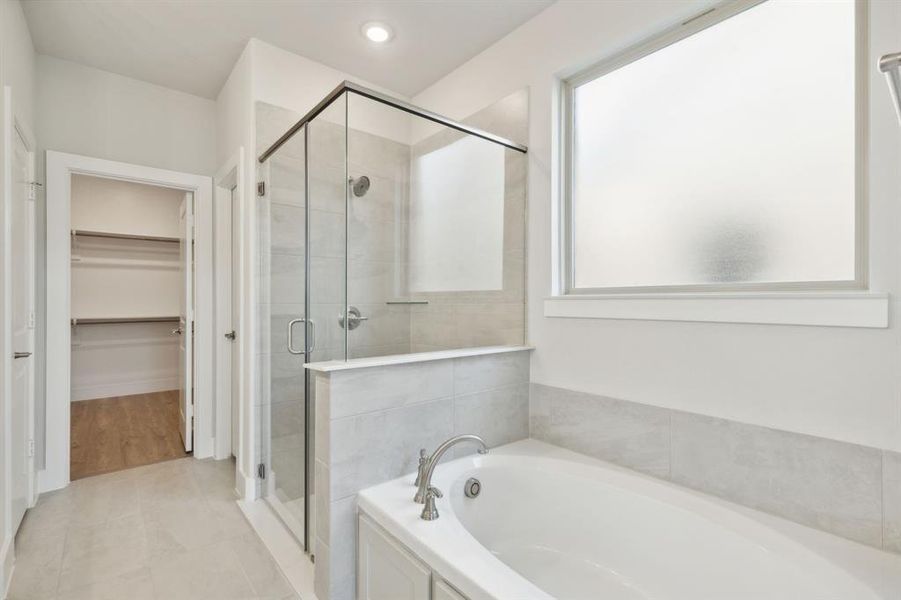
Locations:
{"points": [[424, 480]]}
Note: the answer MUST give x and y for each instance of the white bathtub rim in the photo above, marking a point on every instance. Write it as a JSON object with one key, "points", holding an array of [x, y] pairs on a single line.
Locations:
{"points": [[457, 556]]}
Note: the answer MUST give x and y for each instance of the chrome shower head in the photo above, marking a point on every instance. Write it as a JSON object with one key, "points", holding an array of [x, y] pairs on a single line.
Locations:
{"points": [[359, 185]]}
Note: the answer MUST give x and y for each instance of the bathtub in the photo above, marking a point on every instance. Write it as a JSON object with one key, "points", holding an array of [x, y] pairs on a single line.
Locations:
{"points": [[550, 523]]}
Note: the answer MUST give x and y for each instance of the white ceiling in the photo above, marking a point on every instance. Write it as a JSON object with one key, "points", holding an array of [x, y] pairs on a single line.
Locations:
{"points": [[191, 45]]}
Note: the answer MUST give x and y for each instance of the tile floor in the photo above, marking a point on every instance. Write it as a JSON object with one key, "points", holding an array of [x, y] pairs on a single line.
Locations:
{"points": [[166, 531]]}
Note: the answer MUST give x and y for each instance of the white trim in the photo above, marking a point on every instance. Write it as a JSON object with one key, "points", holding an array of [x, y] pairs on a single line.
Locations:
{"points": [[851, 309], [226, 277], [563, 252], [128, 388], [403, 359], [59, 167], [245, 486]]}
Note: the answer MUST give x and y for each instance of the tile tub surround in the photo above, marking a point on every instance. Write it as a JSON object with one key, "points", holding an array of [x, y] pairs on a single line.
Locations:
{"points": [[848, 490], [371, 422]]}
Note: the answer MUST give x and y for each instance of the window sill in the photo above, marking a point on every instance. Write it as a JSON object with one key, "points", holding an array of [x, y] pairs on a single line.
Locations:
{"points": [[824, 309]]}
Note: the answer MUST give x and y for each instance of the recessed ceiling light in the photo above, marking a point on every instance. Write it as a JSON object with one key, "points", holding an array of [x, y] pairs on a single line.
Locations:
{"points": [[377, 32]]}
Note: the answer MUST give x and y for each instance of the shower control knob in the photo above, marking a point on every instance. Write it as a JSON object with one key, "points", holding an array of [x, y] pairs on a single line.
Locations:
{"points": [[354, 318]]}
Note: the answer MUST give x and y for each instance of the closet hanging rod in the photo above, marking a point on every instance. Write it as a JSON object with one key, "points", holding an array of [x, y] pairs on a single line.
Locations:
{"points": [[124, 236], [76, 322]]}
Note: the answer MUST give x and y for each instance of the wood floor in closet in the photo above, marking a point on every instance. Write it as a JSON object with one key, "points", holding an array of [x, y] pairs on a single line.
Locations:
{"points": [[111, 434]]}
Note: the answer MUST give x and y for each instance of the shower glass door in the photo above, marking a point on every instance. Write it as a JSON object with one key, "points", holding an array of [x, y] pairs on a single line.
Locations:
{"points": [[281, 216], [302, 233]]}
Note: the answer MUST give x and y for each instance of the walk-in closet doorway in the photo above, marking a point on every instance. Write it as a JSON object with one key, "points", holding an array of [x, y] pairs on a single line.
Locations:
{"points": [[129, 317]]}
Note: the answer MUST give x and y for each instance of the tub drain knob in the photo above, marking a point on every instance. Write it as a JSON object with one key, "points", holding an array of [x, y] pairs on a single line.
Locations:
{"points": [[472, 488]]}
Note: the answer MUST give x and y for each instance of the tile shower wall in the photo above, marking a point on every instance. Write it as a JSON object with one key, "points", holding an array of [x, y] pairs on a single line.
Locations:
{"points": [[376, 249], [484, 318], [370, 423], [849, 490]]}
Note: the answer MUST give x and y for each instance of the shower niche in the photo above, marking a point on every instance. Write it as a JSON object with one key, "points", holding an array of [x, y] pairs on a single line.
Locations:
{"points": [[383, 229]]}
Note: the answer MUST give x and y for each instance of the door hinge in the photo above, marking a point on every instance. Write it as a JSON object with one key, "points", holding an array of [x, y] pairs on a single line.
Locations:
{"points": [[30, 448], [261, 189], [33, 189], [261, 470]]}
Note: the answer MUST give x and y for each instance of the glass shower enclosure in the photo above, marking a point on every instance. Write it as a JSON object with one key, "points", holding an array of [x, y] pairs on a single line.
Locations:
{"points": [[383, 229]]}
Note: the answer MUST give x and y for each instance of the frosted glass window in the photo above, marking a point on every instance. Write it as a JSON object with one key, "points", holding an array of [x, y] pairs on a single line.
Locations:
{"points": [[725, 158], [457, 218]]}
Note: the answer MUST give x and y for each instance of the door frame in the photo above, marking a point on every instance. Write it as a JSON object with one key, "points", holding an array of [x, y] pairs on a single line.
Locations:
{"points": [[60, 166], [228, 199]]}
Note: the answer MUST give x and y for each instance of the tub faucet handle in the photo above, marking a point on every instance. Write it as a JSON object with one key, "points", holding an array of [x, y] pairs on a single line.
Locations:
{"points": [[423, 462], [430, 511]]}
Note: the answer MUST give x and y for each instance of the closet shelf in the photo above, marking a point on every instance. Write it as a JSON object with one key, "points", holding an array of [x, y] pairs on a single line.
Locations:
{"points": [[110, 320], [124, 236], [126, 262]]}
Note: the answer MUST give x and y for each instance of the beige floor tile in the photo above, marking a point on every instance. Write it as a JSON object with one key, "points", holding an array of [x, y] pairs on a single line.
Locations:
{"points": [[208, 573], [260, 568], [94, 553], [104, 498], [37, 570], [214, 476], [135, 585], [48, 521], [229, 515], [179, 528], [165, 531]]}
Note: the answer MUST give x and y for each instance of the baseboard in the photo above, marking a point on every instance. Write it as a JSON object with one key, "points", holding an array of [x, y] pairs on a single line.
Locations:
{"points": [[127, 388], [7, 565], [245, 486]]}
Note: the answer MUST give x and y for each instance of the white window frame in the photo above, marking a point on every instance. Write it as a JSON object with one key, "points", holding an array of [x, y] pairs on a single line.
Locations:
{"points": [[831, 304], [711, 17]]}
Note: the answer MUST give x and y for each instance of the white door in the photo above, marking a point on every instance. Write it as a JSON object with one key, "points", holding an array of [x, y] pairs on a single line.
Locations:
{"points": [[186, 322], [22, 222]]}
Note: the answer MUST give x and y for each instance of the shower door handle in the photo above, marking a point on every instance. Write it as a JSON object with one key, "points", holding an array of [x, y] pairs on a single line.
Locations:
{"points": [[291, 324]]}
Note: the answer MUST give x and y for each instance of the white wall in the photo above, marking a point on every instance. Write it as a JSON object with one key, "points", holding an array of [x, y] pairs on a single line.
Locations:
{"points": [[87, 111], [834, 382], [17, 68], [297, 83], [19, 60]]}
